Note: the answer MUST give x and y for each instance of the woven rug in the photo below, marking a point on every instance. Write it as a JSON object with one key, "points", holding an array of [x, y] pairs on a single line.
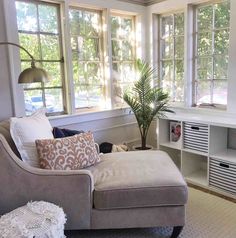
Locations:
{"points": [[208, 216]]}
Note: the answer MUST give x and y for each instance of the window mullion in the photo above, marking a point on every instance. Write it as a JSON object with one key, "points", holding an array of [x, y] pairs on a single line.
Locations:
{"points": [[174, 51], [213, 51], [40, 53]]}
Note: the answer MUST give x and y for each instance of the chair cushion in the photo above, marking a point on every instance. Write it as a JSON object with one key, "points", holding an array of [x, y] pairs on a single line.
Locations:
{"points": [[137, 179], [24, 132]]}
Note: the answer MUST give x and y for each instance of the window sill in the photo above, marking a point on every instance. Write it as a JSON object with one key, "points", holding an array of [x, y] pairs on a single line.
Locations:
{"points": [[88, 116], [196, 111]]}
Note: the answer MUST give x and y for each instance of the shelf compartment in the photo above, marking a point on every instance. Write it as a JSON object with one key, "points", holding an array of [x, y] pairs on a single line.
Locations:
{"points": [[196, 136], [194, 168], [195, 152], [198, 177], [228, 155], [164, 135], [170, 145], [175, 154]]}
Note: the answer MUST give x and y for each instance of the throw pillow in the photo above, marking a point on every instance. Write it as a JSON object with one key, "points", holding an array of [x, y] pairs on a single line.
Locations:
{"points": [[26, 130], [69, 153], [61, 133]]}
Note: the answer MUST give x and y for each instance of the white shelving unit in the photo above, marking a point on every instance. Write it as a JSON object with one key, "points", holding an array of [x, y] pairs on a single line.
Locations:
{"points": [[206, 152]]}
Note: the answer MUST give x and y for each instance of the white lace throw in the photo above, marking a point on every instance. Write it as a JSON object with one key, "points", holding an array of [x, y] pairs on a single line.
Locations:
{"points": [[36, 219]]}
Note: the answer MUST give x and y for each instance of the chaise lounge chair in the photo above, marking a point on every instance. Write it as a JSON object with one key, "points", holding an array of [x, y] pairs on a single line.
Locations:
{"points": [[125, 190]]}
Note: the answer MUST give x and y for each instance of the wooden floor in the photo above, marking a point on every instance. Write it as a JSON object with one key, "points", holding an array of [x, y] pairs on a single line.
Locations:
{"points": [[212, 192]]}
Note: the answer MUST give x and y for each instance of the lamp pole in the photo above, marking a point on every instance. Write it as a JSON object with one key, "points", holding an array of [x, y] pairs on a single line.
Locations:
{"points": [[21, 47], [33, 74]]}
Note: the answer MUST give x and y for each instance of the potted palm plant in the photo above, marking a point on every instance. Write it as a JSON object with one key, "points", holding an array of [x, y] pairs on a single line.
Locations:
{"points": [[146, 101]]}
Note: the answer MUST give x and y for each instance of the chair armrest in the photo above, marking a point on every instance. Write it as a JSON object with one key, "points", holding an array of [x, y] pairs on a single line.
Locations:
{"points": [[20, 183], [97, 147]]}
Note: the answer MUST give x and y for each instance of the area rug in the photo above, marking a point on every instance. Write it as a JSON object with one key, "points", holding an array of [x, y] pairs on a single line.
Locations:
{"points": [[208, 216]]}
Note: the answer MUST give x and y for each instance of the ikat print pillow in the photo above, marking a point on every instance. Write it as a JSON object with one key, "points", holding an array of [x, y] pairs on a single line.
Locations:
{"points": [[69, 153]]}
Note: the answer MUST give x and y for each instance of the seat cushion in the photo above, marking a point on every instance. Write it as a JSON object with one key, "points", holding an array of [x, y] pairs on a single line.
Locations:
{"points": [[137, 179]]}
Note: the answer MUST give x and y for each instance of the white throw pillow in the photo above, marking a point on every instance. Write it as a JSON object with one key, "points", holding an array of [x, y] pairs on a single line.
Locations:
{"points": [[26, 130]]}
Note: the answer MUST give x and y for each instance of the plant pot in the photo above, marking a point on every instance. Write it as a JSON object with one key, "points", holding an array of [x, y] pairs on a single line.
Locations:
{"points": [[138, 147]]}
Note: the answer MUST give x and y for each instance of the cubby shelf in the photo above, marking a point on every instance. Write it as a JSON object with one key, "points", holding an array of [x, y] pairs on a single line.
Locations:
{"points": [[195, 152], [228, 155], [171, 145], [199, 177], [206, 152]]}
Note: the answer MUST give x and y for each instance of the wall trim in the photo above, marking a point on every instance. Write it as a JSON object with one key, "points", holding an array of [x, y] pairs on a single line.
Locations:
{"points": [[116, 126], [64, 120], [143, 2]]}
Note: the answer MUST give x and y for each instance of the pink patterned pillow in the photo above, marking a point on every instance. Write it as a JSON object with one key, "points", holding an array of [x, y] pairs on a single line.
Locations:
{"points": [[69, 153]]}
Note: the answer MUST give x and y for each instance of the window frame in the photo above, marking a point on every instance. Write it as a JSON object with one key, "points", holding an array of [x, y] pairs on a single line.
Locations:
{"points": [[212, 55], [173, 59], [61, 54], [134, 52], [101, 60]]}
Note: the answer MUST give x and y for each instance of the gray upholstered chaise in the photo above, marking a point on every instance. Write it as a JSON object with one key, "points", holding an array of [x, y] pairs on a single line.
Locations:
{"points": [[125, 190]]}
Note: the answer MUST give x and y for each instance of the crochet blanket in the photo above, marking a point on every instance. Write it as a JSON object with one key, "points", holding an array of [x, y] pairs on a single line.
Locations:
{"points": [[36, 219]]}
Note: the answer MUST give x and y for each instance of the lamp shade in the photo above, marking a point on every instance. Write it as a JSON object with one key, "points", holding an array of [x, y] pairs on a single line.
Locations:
{"points": [[33, 75]]}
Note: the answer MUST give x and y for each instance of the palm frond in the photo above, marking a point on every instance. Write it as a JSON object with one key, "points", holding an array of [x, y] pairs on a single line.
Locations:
{"points": [[146, 101]]}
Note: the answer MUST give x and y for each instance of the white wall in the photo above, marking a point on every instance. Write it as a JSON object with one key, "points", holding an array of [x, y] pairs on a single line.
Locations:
{"points": [[6, 107], [11, 93], [116, 126]]}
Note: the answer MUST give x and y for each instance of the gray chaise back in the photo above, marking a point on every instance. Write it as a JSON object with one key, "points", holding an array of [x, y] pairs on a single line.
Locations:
{"points": [[5, 131]]}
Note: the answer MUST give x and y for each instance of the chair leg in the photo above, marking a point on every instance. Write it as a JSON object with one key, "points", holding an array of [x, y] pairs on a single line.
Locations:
{"points": [[176, 231]]}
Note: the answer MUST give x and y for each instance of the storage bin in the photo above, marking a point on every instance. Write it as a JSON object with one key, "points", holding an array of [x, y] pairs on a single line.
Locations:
{"points": [[223, 175], [196, 136]]}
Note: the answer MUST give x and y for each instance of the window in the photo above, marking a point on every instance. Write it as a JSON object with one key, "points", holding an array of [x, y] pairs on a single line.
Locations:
{"points": [[87, 58], [123, 55], [39, 32], [211, 56], [172, 55]]}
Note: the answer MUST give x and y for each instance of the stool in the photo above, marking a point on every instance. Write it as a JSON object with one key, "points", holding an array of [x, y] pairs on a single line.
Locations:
{"points": [[36, 219]]}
